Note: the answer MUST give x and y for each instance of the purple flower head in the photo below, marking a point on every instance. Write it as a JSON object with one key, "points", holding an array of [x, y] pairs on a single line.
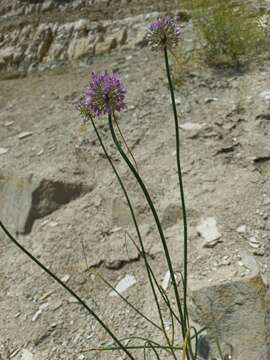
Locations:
{"points": [[163, 32], [105, 94]]}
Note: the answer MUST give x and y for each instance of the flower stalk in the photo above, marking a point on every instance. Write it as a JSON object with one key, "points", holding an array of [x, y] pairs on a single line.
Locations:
{"points": [[155, 215], [181, 186], [150, 274]]}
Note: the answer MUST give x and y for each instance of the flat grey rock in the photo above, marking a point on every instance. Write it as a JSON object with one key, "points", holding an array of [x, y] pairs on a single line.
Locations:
{"points": [[249, 262], [237, 312]]}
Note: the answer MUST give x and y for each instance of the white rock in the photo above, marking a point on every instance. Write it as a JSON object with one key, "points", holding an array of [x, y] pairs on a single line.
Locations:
{"points": [[254, 243], [208, 230], [124, 284], [81, 24], [65, 278], [38, 313], [265, 95], [241, 229], [253, 240], [7, 53], [119, 228], [166, 280], [24, 134], [53, 223], [209, 100], [191, 126], [27, 355], [47, 5], [3, 151], [9, 123]]}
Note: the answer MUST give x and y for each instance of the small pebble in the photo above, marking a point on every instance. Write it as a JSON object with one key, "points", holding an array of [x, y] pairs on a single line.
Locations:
{"points": [[209, 100], [9, 123], [241, 229], [3, 151], [124, 284], [24, 135], [65, 278]]}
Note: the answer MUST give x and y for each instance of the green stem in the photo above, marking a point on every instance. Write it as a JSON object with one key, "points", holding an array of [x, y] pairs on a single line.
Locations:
{"points": [[131, 347], [181, 186], [153, 349], [161, 290], [154, 343], [137, 231], [43, 267], [155, 215], [180, 181], [126, 145]]}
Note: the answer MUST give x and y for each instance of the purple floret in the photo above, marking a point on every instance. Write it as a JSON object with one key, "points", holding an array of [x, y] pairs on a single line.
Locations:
{"points": [[105, 94], [163, 32]]}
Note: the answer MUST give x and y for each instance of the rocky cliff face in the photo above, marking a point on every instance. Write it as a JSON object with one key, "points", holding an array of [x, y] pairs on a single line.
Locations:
{"points": [[38, 34]]}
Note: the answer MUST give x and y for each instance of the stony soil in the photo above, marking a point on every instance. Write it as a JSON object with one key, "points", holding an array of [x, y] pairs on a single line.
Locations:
{"points": [[226, 163]]}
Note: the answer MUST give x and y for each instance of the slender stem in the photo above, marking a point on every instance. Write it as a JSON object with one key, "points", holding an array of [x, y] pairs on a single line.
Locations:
{"points": [[131, 347], [51, 274], [155, 215], [154, 350], [196, 333], [137, 230], [180, 182], [157, 346], [126, 145], [161, 290]]}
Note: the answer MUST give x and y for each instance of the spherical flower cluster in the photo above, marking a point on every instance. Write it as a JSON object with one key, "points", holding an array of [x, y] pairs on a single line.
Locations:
{"points": [[105, 94], [163, 32]]}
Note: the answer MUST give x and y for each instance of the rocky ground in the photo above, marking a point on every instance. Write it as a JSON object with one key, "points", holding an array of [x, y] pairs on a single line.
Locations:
{"points": [[61, 199]]}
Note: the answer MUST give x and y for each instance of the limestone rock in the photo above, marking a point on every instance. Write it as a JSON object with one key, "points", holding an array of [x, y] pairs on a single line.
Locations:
{"points": [[124, 284], [208, 230], [7, 54], [47, 5], [80, 47], [106, 46]]}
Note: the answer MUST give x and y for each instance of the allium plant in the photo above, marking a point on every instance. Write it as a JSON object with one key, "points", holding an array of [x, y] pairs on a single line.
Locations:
{"points": [[164, 35], [105, 95]]}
